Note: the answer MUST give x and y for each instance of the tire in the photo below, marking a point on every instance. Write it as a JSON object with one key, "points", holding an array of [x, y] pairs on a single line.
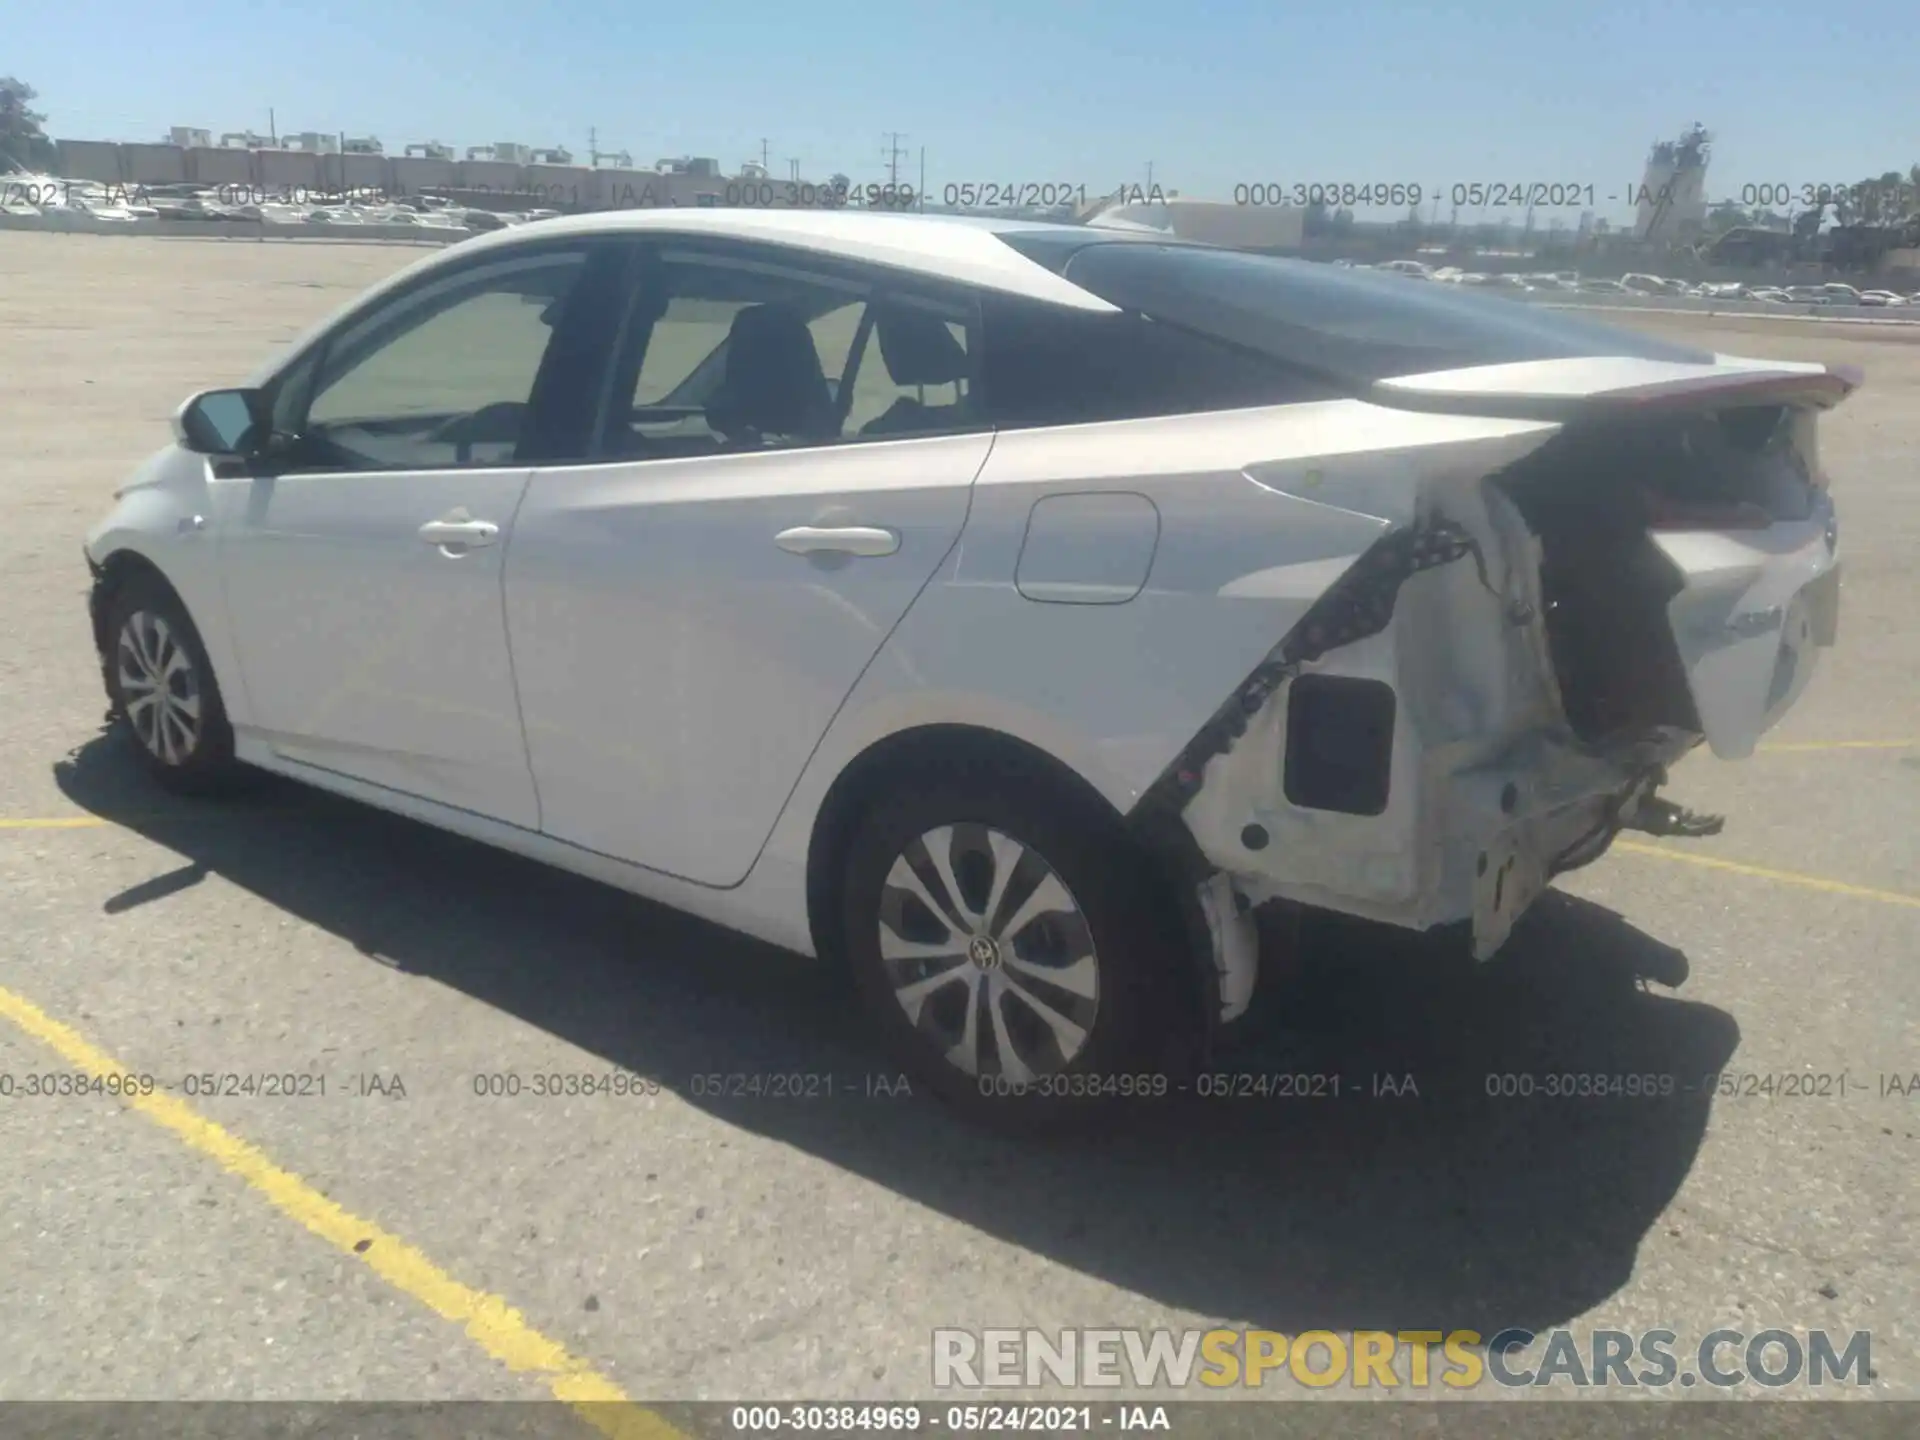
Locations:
{"points": [[1111, 935], [182, 738]]}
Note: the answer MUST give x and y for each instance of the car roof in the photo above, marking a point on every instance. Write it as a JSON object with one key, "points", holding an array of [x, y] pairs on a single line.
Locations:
{"points": [[963, 249]]}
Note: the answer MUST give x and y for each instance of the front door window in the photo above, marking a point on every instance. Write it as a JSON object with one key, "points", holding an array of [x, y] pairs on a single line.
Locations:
{"points": [[445, 376]]}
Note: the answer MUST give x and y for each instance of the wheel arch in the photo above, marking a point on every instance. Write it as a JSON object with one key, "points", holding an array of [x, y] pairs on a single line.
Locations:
{"points": [[921, 749], [112, 575], [127, 576], [941, 749], [192, 584]]}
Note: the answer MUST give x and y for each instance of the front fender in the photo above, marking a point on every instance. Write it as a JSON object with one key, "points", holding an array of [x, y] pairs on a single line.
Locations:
{"points": [[163, 519]]}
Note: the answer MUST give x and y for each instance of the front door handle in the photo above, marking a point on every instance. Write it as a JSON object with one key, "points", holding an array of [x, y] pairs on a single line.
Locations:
{"points": [[466, 534], [837, 540]]}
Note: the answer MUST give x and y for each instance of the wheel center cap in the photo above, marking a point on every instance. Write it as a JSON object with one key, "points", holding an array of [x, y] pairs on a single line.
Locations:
{"points": [[984, 952]]}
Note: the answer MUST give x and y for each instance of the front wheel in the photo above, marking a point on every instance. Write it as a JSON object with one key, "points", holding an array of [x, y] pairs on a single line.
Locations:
{"points": [[162, 686], [1015, 951]]}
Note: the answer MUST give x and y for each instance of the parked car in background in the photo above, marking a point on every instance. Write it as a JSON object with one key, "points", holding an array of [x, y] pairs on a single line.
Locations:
{"points": [[191, 208], [109, 214], [1003, 610]]}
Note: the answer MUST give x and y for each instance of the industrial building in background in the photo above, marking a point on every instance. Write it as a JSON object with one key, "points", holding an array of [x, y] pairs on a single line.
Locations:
{"points": [[1671, 204], [501, 175]]}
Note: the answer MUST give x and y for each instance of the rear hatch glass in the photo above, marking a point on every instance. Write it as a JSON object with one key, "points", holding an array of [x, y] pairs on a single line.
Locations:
{"points": [[1357, 326]]}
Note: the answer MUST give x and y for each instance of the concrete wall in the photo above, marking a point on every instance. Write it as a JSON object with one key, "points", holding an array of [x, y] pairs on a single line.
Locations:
{"points": [[153, 164], [90, 160], [286, 169], [562, 185], [489, 175], [216, 166], [358, 172], [1901, 266], [627, 189], [411, 174]]}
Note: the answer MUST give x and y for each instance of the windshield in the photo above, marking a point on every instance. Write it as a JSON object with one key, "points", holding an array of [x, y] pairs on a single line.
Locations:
{"points": [[1356, 325]]}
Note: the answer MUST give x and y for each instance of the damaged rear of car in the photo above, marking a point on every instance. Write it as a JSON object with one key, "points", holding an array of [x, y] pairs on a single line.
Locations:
{"points": [[1638, 557]]}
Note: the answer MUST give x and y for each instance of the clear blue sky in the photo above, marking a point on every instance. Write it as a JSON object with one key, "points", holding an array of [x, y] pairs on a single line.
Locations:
{"points": [[1213, 93]]}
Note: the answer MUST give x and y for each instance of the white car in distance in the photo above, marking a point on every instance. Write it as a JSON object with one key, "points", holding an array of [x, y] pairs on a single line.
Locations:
{"points": [[1002, 609]]}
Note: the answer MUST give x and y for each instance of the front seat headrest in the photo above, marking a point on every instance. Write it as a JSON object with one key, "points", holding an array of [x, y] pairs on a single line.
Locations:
{"points": [[918, 348], [773, 383]]}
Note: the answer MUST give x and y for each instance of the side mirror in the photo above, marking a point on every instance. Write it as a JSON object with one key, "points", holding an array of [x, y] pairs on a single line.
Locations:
{"points": [[221, 422]]}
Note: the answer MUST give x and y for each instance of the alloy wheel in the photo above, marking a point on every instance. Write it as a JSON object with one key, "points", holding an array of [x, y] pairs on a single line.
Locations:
{"points": [[988, 953], [159, 688]]}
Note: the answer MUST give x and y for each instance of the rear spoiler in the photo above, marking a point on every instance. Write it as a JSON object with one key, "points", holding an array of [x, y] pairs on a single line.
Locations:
{"points": [[1607, 386]]}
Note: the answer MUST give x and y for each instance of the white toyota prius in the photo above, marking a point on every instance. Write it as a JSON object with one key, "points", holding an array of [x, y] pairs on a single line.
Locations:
{"points": [[1005, 610]]}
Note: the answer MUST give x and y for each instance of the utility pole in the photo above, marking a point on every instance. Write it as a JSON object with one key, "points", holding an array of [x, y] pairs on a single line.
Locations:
{"points": [[593, 148], [793, 167], [763, 154], [894, 152], [1149, 177], [923, 180]]}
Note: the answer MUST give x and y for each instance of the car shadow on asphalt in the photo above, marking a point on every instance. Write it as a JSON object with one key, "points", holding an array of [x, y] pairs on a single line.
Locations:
{"points": [[1422, 1197]]}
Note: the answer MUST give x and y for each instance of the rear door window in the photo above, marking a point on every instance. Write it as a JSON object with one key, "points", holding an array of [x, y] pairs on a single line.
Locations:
{"points": [[731, 347]]}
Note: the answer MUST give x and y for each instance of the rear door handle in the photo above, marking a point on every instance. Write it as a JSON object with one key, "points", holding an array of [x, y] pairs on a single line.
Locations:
{"points": [[467, 533], [840, 540]]}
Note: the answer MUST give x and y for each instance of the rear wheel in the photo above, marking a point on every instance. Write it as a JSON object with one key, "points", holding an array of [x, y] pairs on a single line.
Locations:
{"points": [[1013, 948], [162, 686]]}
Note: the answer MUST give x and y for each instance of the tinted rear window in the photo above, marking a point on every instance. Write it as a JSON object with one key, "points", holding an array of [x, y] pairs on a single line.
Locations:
{"points": [[1051, 365], [1356, 326]]}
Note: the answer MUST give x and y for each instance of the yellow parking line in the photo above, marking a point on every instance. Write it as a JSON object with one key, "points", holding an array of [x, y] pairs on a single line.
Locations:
{"points": [[490, 1322], [63, 822], [1761, 872]]}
